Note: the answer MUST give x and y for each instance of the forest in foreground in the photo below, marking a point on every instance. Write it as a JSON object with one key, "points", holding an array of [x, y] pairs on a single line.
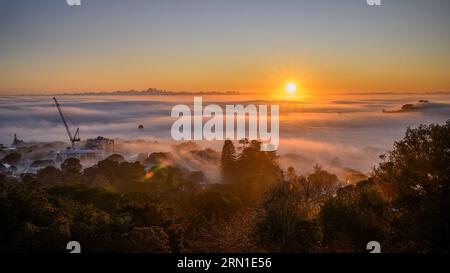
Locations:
{"points": [[120, 206]]}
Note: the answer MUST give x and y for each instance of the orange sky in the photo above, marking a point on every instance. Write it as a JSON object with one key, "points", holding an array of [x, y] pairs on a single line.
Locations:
{"points": [[247, 46]]}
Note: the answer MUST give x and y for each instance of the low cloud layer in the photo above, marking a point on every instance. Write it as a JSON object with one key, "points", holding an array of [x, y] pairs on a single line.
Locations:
{"points": [[337, 133]]}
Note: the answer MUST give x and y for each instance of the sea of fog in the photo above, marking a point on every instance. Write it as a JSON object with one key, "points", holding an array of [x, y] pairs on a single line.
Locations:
{"points": [[337, 132]]}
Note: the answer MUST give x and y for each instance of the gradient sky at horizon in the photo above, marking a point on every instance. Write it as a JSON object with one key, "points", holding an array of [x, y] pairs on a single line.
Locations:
{"points": [[244, 45]]}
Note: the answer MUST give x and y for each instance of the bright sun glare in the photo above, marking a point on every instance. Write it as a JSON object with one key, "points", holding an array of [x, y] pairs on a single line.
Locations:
{"points": [[291, 88]]}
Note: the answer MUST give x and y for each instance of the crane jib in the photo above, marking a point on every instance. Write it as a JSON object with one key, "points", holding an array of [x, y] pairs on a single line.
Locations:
{"points": [[74, 138]]}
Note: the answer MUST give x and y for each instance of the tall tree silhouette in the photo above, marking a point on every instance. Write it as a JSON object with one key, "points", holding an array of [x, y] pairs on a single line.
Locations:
{"points": [[228, 160]]}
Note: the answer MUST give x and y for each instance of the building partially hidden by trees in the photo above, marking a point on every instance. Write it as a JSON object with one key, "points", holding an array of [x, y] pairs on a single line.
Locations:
{"points": [[121, 206]]}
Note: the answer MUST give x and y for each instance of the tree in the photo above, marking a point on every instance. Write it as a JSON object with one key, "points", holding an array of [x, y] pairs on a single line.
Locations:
{"points": [[30, 220], [405, 205], [283, 226], [416, 176], [116, 157], [228, 160], [49, 175], [256, 172], [215, 205], [291, 175], [71, 170], [145, 239], [232, 235], [159, 158], [122, 176], [318, 183], [130, 172], [355, 216]]}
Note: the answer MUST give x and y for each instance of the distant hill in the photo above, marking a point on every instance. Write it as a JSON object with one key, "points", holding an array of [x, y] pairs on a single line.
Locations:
{"points": [[150, 92], [421, 105]]}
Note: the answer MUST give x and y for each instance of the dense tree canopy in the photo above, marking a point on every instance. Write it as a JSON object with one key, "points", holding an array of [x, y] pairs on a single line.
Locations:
{"points": [[121, 206]]}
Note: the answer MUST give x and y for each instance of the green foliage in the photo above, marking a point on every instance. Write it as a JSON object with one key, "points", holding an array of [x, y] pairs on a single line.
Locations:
{"points": [[355, 216], [45, 219], [71, 171], [416, 175], [121, 176], [30, 221], [283, 225], [119, 206], [255, 172], [405, 206], [216, 205], [316, 185], [145, 239], [49, 175]]}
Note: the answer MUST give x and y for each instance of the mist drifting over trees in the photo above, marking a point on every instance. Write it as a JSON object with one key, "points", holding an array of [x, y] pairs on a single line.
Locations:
{"points": [[155, 205]]}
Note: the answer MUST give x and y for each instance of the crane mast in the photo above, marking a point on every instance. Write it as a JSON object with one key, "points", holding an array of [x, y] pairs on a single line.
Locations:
{"points": [[76, 136]]}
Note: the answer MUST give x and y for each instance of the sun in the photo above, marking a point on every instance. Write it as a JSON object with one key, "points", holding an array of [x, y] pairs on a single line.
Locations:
{"points": [[291, 88]]}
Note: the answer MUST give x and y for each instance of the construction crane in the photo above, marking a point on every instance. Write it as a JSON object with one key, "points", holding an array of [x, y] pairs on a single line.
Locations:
{"points": [[76, 136]]}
